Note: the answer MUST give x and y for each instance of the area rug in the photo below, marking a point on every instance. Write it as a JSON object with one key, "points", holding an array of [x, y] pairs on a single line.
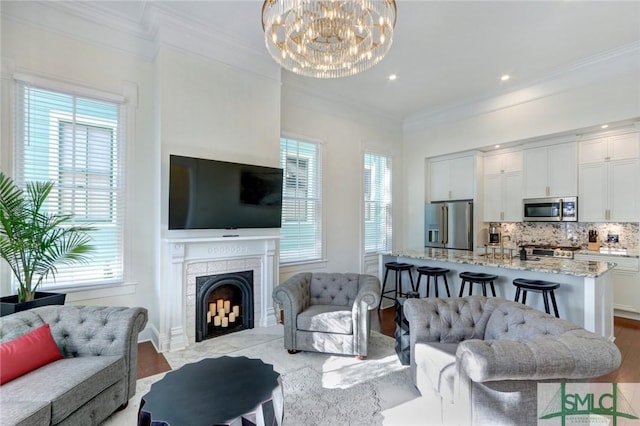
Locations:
{"points": [[319, 389]]}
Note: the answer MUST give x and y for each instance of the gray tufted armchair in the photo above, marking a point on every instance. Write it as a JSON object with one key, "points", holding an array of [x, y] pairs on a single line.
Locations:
{"points": [[482, 358], [328, 312]]}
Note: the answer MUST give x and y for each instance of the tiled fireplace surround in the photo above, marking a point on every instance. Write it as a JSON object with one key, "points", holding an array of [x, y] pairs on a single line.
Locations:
{"points": [[188, 258]]}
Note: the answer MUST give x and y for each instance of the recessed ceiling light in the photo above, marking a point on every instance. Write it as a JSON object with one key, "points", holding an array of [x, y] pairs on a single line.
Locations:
{"points": [[392, 77], [497, 146], [505, 77], [604, 126]]}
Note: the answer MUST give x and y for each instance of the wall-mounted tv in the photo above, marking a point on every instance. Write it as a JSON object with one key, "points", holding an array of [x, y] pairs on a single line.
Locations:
{"points": [[211, 194]]}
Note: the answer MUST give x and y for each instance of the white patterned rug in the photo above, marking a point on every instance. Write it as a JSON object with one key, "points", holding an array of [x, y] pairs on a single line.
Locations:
{"points": [[319, 389]]}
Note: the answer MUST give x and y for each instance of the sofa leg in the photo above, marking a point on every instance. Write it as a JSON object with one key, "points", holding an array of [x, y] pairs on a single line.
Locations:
{"points": [[123, 406], [361, 357], [292, 351]]}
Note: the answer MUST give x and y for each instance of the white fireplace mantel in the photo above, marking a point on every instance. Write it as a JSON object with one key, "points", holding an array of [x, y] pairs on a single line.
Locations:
{"points": [[186, 257]]}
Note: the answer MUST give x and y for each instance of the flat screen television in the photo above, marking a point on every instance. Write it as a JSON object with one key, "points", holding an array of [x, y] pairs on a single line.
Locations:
{"points": [[211, 194]]}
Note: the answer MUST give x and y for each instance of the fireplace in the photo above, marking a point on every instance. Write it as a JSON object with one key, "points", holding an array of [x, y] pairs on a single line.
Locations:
{"points": [[224, 304], [187, 258]]}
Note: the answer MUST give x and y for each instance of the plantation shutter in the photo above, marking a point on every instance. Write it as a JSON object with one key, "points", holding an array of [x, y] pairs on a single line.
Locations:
{"points": [[377, 203], [301, 232], [77, 142]]}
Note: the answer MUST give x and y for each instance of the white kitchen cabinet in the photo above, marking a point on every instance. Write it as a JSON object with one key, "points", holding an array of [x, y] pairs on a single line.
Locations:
{"points": [[592, 196], [452, 179], [609, 176], [626, 282], [610, 148], [505, 162], [503, 187], [550, 171]]}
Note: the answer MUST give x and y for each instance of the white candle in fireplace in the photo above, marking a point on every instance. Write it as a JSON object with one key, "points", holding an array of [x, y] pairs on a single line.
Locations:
{"points": [[221, 312], [225, 322], [208, 316], [216, 320], [212, 308], [220, 302], [227, 306], [232, 317], [236, 310]]}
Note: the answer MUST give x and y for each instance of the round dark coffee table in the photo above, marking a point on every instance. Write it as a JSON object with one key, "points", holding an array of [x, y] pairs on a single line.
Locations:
{"points": [[215, 391]]}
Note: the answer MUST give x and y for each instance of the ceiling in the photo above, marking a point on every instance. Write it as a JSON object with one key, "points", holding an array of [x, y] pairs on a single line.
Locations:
{"points": [[445, 53]]}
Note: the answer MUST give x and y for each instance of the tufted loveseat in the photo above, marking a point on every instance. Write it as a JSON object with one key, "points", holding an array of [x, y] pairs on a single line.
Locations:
{"points": [[482, 358], [95, 377], [327, 312]]}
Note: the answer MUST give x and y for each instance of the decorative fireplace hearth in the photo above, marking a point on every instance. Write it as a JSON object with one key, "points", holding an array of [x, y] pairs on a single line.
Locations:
{"points": [[224, 304]]}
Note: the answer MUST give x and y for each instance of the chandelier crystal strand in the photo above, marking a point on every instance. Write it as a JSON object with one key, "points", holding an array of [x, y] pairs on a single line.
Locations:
{"points": [[328, 38]]}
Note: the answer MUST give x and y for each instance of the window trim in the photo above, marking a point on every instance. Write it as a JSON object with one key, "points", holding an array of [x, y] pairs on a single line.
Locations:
{"points": [[128, 101], [389, 156], [322, 259]]}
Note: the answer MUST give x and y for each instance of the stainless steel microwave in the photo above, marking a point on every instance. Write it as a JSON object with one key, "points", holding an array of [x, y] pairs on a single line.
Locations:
{"points": [[552, 209]]}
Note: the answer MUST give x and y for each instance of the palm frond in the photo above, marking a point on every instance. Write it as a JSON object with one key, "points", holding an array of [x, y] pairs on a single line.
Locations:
{"points": [[33, 241]]}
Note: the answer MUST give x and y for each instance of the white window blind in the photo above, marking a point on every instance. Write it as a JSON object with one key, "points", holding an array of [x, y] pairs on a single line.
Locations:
{"points": [[78, 143], [377, 203], [301, 232]]}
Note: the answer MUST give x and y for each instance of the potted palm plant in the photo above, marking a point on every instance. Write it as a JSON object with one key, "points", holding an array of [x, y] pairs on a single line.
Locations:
{"points": [[34, 242]]}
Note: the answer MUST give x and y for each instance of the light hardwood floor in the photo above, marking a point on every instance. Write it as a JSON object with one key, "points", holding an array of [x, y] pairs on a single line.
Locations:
{"points": [[627, 334]]}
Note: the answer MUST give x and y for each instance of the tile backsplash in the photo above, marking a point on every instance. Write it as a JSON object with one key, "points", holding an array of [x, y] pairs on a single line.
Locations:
{"points": [[573, 234]]}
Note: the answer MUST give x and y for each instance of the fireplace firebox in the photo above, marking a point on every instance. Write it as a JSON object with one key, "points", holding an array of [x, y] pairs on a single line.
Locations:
{"points": [[224, 304]]}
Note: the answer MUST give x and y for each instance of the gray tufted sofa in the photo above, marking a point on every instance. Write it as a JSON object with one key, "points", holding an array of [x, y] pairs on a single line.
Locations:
{"points": [[96, 376], [482, 358], [327, 312]]}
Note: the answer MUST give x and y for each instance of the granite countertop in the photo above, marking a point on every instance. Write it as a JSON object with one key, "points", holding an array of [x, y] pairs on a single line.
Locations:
{"points": [[633, 253], [579, 268]]}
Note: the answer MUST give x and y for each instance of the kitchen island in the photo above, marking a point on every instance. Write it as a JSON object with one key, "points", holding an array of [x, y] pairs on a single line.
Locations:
{"points": [[585, 296]]}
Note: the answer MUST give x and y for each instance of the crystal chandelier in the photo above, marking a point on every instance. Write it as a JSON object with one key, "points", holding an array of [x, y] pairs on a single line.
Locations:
{"points": [[328, 38]]}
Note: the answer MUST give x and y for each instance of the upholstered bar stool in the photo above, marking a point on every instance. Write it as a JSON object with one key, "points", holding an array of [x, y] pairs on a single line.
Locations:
{"points": [[537, 286], [398, 268], [435, 273], [477, 278]]}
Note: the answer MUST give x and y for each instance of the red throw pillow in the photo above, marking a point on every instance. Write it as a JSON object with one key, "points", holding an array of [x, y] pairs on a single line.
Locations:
{"points": [[26, 353]]}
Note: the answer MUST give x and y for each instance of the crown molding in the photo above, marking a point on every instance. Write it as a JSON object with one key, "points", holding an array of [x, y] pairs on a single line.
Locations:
{"points": [[82, 21], [596, 68], [173, 31], [153, 26]]}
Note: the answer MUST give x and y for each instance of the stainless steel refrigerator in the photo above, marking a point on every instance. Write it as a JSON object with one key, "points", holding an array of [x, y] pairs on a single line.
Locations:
{"points": [[449, 225]]}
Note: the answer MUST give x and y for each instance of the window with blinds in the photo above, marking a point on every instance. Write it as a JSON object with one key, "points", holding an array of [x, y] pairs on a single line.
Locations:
{"points": [[78, 143], [377, 203], [301, 232]]}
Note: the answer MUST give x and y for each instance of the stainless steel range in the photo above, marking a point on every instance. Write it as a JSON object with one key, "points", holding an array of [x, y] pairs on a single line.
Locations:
{"points": [[551, 251]]}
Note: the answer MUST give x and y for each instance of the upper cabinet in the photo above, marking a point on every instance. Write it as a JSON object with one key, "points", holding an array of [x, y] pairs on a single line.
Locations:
{"points": [[610, 148], [550, 171], [609, 179], [452, 179], [503, 187]]}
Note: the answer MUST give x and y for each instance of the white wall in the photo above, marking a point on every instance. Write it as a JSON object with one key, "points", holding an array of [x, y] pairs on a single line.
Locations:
{"points": [[607, 100], [344, 134], [208, 109]]}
